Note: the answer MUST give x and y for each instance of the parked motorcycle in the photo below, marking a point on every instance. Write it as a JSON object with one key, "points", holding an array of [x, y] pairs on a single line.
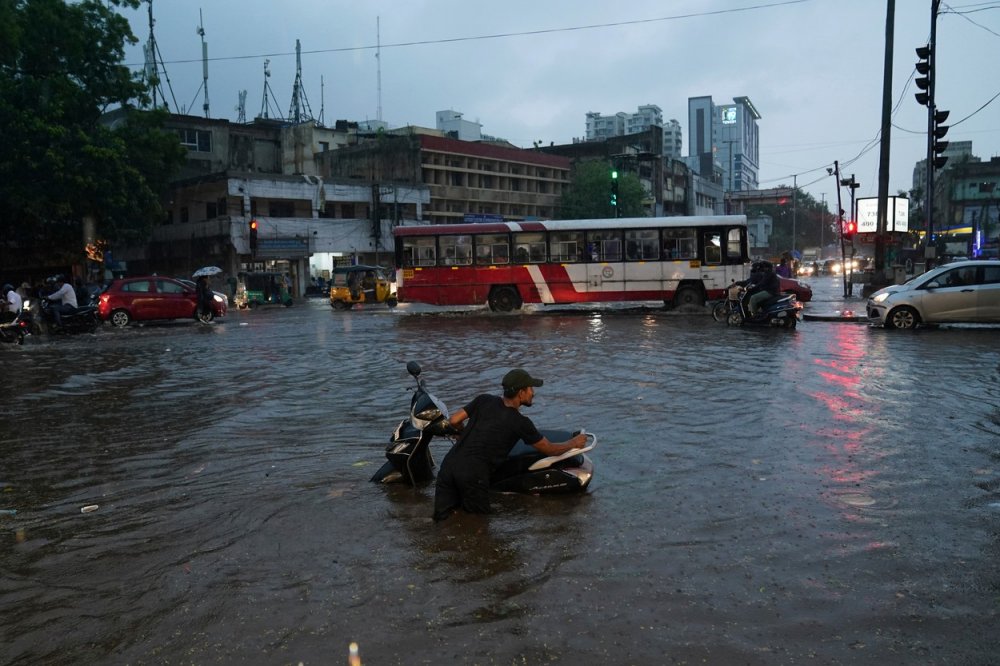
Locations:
{"points": [[525, 470], [780, 311], [81, 320]]}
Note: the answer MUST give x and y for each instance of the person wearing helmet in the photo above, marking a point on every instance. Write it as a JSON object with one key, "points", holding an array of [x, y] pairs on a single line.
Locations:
{"points": [[13, 300], [765, 285], [495, 424], [66, 297]]}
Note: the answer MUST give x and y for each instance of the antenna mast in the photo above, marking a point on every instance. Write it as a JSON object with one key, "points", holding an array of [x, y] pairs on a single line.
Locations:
{"points": [[153, 65], [378, 58], [266, 105], [204, 60], [299, 109], [241, 109]]}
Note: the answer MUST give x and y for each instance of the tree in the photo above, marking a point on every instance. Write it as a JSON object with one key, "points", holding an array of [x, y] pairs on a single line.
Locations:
{"points": [[589, 193], [61, 68]]}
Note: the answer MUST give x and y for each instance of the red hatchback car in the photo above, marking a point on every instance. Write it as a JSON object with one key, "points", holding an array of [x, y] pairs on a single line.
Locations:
{"points": [[152, 297]]}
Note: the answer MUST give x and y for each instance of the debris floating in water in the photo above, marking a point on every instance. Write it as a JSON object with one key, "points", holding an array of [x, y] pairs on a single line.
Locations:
{"points": [[90, 508]]}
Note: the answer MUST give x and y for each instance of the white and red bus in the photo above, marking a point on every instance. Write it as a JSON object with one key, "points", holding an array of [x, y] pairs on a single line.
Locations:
{"points": [[679, 260]]}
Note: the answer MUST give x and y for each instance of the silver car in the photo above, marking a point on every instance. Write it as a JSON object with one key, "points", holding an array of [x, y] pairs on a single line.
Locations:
{"points": [[960, 292]]}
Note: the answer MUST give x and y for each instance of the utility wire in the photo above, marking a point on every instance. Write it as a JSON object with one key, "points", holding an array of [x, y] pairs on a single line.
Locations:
{"points": [[502, 35]]}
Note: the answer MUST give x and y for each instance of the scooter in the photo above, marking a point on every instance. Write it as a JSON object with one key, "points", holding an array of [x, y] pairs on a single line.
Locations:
{"points": [[525, 470], [780, 312], [81, 320], [14, 331]]}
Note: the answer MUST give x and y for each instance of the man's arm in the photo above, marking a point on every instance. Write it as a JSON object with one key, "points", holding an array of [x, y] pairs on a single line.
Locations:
{"points": [[548, 448], [457, 420]]}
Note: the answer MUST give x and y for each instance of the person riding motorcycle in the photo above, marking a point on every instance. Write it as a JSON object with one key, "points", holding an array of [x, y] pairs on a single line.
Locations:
{"points": [[13, 302], [66, 296], [763, 284]]}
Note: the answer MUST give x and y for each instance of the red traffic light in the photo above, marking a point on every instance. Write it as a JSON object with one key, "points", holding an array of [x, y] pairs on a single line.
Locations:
{"points": [[850, 228], [253, 224]]}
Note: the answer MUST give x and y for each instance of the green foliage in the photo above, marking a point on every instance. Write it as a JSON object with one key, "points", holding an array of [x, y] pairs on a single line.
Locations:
{"points": [[61, 68], [589, 193], [807, 217]]}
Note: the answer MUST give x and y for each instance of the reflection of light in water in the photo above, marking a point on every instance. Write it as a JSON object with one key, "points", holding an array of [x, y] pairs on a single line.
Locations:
{"points": [[598, 329]]}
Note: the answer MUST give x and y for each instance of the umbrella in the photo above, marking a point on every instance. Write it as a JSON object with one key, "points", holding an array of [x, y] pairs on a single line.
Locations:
{"points": [[207, 270], [796, 254]]}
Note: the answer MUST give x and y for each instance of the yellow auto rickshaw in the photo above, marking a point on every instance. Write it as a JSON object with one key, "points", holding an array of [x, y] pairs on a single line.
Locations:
{"points": [[361, 284]]}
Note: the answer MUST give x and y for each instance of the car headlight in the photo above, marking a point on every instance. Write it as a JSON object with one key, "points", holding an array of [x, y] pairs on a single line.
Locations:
{"points": [[218, 299], [878, 298]]}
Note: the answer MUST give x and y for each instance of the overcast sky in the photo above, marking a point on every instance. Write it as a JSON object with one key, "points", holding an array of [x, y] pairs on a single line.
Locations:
{"points": [[529, 70]]}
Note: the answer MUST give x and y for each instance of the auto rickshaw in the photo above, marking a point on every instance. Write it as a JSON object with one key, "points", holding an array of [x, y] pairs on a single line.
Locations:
{"points": [[255, 289], [361, 284]]}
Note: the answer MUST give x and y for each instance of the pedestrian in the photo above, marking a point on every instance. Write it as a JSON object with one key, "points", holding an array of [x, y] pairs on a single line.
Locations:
{"points": [[495, 424], [204, 294]]}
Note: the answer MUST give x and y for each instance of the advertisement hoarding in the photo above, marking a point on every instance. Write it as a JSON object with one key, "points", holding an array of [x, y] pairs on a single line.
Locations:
{"points": [[897, 215]]}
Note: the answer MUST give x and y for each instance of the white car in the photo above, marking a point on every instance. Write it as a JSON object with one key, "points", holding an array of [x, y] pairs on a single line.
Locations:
{"points": [[960, 292]]}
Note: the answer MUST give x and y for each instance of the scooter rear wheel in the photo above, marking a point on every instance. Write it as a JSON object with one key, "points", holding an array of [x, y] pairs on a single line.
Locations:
{"points": [[719, 311]]}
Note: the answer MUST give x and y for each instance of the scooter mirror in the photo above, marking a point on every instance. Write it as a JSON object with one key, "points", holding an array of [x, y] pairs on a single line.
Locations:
{"points": [[413, 368]]}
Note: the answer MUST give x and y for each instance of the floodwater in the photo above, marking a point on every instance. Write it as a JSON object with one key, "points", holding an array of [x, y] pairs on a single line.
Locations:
{"points": [[828, 495]]}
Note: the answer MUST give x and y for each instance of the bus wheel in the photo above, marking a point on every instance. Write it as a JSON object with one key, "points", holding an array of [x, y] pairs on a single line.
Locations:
{"points": [[504, 299], [688, 296]]}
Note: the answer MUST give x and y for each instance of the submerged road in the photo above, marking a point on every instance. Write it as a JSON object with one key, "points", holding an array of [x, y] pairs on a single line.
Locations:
{"points": [[828, 495]]}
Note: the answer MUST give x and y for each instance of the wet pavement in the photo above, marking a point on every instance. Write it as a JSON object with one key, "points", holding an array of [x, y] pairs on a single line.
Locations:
{"points": [[827, 495]]}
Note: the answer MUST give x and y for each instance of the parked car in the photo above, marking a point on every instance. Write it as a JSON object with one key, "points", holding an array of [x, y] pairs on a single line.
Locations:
{"points": [[150, 298], [959, 292], [803, 292]]}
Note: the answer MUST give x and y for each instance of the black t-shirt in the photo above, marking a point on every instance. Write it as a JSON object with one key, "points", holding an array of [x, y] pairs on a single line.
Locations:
{"points": [[493, 430]]}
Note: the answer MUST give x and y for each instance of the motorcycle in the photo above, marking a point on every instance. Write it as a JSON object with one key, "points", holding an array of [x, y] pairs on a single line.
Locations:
{"points": [[525, 470], [14, 331], [81, 320], [779, 311]]}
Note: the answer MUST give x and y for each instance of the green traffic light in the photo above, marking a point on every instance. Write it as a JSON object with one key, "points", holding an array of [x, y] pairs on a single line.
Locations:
{"points": [[614, 175]]}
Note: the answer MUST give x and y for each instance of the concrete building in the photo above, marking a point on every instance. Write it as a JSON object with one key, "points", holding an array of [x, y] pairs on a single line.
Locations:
{"points": [[462, 178], [451, 123], [727, 137], [601, 128], [267, 170]]}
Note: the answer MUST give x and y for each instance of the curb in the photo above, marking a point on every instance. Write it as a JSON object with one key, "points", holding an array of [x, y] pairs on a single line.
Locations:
{"points": [[844, 316]]}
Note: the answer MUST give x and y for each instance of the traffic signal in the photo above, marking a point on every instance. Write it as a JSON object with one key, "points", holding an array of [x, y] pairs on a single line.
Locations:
{"points": [[938, 146], [924, 81], [614, 192], [253, 236], [850, 229]]}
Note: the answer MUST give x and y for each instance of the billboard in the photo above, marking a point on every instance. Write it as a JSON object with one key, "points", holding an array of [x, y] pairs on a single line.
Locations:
{"points": [[897, 215]]}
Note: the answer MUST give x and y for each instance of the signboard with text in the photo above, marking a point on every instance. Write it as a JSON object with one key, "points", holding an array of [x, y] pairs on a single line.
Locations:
{"points": [[897, 215]]}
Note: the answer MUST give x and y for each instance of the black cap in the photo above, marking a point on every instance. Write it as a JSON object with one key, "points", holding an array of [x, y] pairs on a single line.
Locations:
{"points": [[518, 379]]}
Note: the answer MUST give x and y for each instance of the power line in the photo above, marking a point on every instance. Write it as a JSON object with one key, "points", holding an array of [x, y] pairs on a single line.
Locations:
{"points": [[502, 35]]}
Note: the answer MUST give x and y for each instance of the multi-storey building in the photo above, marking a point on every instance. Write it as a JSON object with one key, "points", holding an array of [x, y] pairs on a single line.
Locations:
{"points": [[601, 128], [462, 178], [726, 136]]}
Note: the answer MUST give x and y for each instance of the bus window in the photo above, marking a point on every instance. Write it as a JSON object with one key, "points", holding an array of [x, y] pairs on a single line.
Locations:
{"points": [[679, 244], [566, 246], [604, 245], [418, 251], [734, 248], [529, 248], [713, 247], [492, 249], [456, 250], [641, 245]]}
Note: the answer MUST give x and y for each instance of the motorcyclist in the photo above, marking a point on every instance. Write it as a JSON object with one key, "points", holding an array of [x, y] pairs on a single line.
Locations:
{"points": [[763, 285], [66, 297], [13, 300]]}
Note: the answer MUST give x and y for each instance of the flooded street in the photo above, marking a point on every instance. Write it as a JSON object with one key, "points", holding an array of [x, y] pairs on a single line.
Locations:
{"points": [[827, 495]]}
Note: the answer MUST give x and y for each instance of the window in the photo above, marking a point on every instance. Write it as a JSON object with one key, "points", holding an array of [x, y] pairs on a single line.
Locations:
{"points": [[566, 246], [211, 211], [140, 287], [991, 274], [642, 245], [281, 209], [679, 244], [419, 252], [198, 140], [529, 248], [184, 214], [713, 247], [733, 246], [456, 250], [492, 249], [165, 287], [347, 210], [604, 245]]}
